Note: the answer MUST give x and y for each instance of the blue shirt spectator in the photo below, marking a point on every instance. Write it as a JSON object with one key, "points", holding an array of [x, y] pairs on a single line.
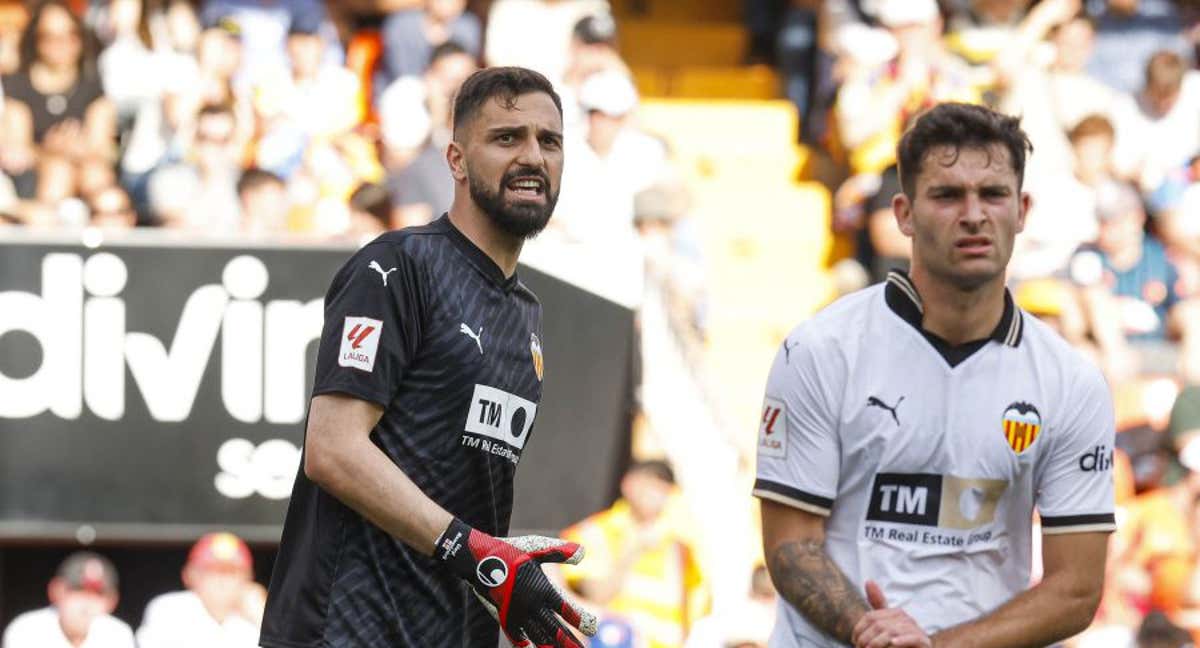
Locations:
{"points": [[1124, 42], [409, 37]]}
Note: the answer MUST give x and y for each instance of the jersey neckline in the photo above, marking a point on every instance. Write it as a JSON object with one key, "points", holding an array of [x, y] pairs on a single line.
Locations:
{"points": [[902, 298], [476, 256]]}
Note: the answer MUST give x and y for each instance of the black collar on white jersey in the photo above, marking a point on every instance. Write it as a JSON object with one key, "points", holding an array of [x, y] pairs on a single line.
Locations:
{"points": [[477, 257], [901, 296]]}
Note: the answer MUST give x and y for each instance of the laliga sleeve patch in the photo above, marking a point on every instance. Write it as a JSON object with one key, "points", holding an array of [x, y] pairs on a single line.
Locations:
{"points": [[772, 429], [360, 342]]}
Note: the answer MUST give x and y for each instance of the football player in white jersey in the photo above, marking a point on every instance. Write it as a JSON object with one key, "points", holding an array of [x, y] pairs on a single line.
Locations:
{"points": [[911, 430]]}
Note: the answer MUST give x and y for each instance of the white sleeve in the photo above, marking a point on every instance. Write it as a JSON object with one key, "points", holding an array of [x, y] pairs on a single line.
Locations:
{"points": [[1075, 482], [798, 448]]}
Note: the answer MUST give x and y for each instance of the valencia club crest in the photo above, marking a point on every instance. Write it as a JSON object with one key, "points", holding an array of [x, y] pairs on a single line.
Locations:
{"points": [[1022, 423], [535, 349]]}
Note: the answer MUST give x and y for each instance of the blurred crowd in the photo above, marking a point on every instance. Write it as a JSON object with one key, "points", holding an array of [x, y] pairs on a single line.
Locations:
{"points": [[328, 121], [309, 120], [1110, 256], [219, 605], [300, 119]]}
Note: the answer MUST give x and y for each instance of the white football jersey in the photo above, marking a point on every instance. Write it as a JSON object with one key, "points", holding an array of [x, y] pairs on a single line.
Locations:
{"points": [[929, 460]]}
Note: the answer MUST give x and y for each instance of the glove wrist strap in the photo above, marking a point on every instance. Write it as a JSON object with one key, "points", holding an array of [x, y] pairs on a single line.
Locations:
{"points": [[453, 547]]}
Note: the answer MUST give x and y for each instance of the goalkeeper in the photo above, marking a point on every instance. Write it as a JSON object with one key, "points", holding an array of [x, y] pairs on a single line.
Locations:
{"points": [[427, 385]]}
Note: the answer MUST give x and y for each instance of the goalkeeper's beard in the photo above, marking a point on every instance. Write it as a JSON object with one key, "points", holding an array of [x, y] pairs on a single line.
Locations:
{"points": [[520, 219]]}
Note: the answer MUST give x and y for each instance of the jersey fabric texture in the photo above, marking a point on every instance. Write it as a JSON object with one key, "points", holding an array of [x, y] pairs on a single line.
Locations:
{"points": [[424, 324], [930, 459]]}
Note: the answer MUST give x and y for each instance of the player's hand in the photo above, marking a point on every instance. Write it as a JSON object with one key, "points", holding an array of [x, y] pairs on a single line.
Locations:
{"points": [[885, 626], [507, 577]]}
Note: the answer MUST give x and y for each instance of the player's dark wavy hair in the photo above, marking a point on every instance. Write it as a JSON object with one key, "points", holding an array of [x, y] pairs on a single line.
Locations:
{"points": [[502, 83], [961, 126]]}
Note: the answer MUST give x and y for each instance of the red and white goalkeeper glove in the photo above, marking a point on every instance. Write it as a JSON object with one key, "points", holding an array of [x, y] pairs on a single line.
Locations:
{"points": [[507, 577]]}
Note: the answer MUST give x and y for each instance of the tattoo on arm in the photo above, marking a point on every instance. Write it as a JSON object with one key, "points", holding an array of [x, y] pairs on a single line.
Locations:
{"points": [[807, 578]]}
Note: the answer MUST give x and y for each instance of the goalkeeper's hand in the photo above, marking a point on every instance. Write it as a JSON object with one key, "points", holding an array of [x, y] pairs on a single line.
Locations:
{"points": [[507, 576]]}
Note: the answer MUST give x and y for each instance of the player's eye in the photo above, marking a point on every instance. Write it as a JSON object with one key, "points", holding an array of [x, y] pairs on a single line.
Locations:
{"points": [[550, 142], [505, 138]]}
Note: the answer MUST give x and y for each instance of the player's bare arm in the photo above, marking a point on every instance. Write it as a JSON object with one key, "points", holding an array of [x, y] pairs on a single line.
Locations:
{"points": [[803, 572], [340, 457], [1060, 606]]}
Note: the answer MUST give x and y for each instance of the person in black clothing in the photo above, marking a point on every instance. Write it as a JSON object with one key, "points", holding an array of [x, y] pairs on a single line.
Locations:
{"points": [[428, 381], [55, 107]]}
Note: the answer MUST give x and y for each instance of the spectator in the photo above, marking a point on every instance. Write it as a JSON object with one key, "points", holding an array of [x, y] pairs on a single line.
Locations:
{"points": [[110, 208], [317, 97], [219, 55], [413, 108], [1157, 631], [129, 69], [415, 116], [606, 170], [201, 195], [1053, 98], [13, 18], [638, 567], [674, 252], [1063, 216], [1158, 129], [54, 107], [1128, 33], [264, 203], [593, 49], [863, 204], [264, 25], [511, 22], [83, 595], [874, 103], [410, 37], [1131, 288], [1054, 301], [210, 612], [370, 211], [1160, 557]]}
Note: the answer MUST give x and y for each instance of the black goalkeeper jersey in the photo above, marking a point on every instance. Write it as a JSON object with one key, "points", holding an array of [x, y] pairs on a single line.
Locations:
{"points": [[423, 323]]}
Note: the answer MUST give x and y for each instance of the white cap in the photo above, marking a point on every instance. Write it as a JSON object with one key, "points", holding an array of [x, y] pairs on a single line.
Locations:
{"points": [[609, 92], [898, 13]]}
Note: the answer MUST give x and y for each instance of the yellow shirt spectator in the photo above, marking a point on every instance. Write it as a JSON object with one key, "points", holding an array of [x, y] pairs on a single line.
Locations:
{"points": [[638, 566]]}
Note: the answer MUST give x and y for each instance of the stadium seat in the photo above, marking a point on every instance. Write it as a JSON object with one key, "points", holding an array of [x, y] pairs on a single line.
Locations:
{"points": [[691, 11], [677, 44], [722, 82], [765, 235], [652, 80]]}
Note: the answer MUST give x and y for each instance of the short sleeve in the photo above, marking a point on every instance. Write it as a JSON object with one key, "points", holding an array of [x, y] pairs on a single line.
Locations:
{"points": [[1075, 482], [798, 448], [373, 315]]}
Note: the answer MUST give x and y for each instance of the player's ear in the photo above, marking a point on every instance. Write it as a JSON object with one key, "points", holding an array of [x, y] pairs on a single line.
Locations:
{"points": [[1026, 203], [902, 209], [456, 159]]}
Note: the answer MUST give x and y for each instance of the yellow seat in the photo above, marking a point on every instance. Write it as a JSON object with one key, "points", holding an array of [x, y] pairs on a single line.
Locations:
{"points": [[720, 82], [677, 44]]}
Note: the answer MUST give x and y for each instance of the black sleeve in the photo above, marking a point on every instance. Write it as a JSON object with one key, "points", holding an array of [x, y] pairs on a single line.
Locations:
{"points": [[373, 319]]}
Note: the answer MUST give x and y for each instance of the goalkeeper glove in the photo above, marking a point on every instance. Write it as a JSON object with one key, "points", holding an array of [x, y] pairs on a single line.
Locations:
{"points": [[507, 577]]}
